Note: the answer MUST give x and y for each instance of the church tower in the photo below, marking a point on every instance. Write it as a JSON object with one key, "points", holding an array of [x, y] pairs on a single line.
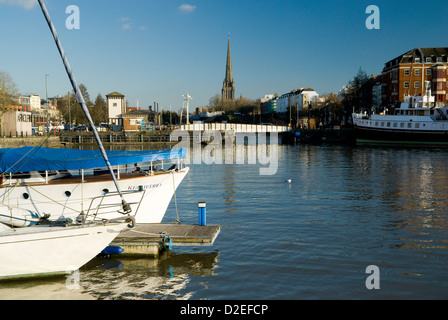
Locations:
{"points": [[228, 86]]}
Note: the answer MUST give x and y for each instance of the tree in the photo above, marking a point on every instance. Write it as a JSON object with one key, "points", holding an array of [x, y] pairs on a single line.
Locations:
{"points": [[166, 117], [99, 110], [8, 90], [215, 102], [69, 108], [331, 111], [358, 95]]}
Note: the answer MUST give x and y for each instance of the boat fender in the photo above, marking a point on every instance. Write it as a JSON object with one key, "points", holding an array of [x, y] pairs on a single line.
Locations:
{"points": [[110, 250], [170, 244]]}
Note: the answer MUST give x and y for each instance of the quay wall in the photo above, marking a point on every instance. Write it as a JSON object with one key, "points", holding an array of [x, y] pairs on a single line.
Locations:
{"points": [[317, 136], [345, 136], [48, 142]]}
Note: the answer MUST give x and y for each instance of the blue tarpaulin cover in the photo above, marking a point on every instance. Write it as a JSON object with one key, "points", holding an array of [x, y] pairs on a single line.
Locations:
{"points": [[27, 159]]}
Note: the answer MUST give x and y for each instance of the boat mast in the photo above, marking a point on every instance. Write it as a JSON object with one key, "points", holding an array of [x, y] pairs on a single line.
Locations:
{"points": [[80, 98]]}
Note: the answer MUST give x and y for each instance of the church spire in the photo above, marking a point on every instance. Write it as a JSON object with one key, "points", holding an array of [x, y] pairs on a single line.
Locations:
{"points": [[228, 86]]}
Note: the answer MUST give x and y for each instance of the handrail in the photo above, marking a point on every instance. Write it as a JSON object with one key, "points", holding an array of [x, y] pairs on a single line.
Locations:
{"points": [[109, 205]]}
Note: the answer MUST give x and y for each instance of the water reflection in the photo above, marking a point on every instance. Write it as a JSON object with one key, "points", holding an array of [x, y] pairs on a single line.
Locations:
{"points": [[120, 278], [164, 278], [43, 289], [412, 190], [229, 189]]}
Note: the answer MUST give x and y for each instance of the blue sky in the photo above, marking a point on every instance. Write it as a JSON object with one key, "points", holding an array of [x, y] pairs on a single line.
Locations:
{"points": [[158, 50]]}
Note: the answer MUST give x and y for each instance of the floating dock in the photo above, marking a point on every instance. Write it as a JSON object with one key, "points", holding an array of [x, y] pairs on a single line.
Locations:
{"points": [[151, 238]]}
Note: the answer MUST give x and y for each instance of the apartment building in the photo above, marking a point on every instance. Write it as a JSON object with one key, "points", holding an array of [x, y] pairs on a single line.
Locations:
{"points": [[414, 72]]}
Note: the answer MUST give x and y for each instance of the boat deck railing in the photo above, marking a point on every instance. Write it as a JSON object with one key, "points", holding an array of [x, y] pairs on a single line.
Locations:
{"points": [[96, 210]]}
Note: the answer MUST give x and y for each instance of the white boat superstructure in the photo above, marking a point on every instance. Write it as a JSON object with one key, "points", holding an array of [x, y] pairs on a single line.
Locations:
{"points": [[50, 250], [417, 120]]}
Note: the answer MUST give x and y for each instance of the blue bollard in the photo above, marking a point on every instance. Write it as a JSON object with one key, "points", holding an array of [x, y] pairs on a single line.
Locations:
{"points": [[202, 213]]}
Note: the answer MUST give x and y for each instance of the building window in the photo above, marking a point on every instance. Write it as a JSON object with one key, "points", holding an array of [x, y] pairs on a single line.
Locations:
{"points": [[115, 104], [439, 59], [417, 84], [406, 84], [406, 72], [428, 72], [428, 60], [416, 72], [417, 60]]}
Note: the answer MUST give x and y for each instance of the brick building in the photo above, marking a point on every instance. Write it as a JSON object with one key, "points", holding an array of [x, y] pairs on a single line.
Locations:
{"points": [[412, 73]]}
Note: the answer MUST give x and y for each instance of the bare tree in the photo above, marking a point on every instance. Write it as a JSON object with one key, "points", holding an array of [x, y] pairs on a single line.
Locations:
{"points": [[8, 91]]}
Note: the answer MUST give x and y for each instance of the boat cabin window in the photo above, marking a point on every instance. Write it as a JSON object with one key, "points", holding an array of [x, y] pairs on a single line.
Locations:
{"points": [[388, 124], [402, 125], [395, 124], [417, 125], [409, 125]]}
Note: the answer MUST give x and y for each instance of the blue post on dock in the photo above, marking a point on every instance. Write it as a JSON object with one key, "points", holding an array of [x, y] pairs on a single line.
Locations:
{"points": [[202, 213]]}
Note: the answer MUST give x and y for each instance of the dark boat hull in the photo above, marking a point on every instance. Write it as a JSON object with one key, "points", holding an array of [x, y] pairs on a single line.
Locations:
{"points": [[400, 137]]}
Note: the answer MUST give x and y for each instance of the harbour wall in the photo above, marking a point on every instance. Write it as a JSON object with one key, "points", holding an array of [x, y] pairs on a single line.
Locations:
{"points": [[18, 142], [313, 136]]}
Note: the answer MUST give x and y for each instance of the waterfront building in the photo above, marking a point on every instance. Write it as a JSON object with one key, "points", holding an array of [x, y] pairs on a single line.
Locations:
{"points": [[24, 101], [376, 94], [302, 98], [35, 102], [269, 106], [136, 120], [16, 123], [306, 97], [228, 86], [116, 106], [410, 73], [283, 102], [266, 98]]}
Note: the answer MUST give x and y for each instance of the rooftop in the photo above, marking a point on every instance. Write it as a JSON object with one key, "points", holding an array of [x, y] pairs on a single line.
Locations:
{"points": [[114, 94], [423, 54]]}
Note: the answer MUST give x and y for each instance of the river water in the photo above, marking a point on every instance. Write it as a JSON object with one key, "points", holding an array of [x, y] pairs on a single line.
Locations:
{"points": [[313, 237]]}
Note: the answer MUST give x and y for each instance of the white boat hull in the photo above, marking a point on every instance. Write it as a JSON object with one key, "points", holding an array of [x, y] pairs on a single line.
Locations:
{"points": [[43, 250], [148, 195]]}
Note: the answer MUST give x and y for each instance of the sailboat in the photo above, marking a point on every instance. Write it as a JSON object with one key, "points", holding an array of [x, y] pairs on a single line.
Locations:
{"points": [[67, 183], [60, 208], [52, 249]]}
